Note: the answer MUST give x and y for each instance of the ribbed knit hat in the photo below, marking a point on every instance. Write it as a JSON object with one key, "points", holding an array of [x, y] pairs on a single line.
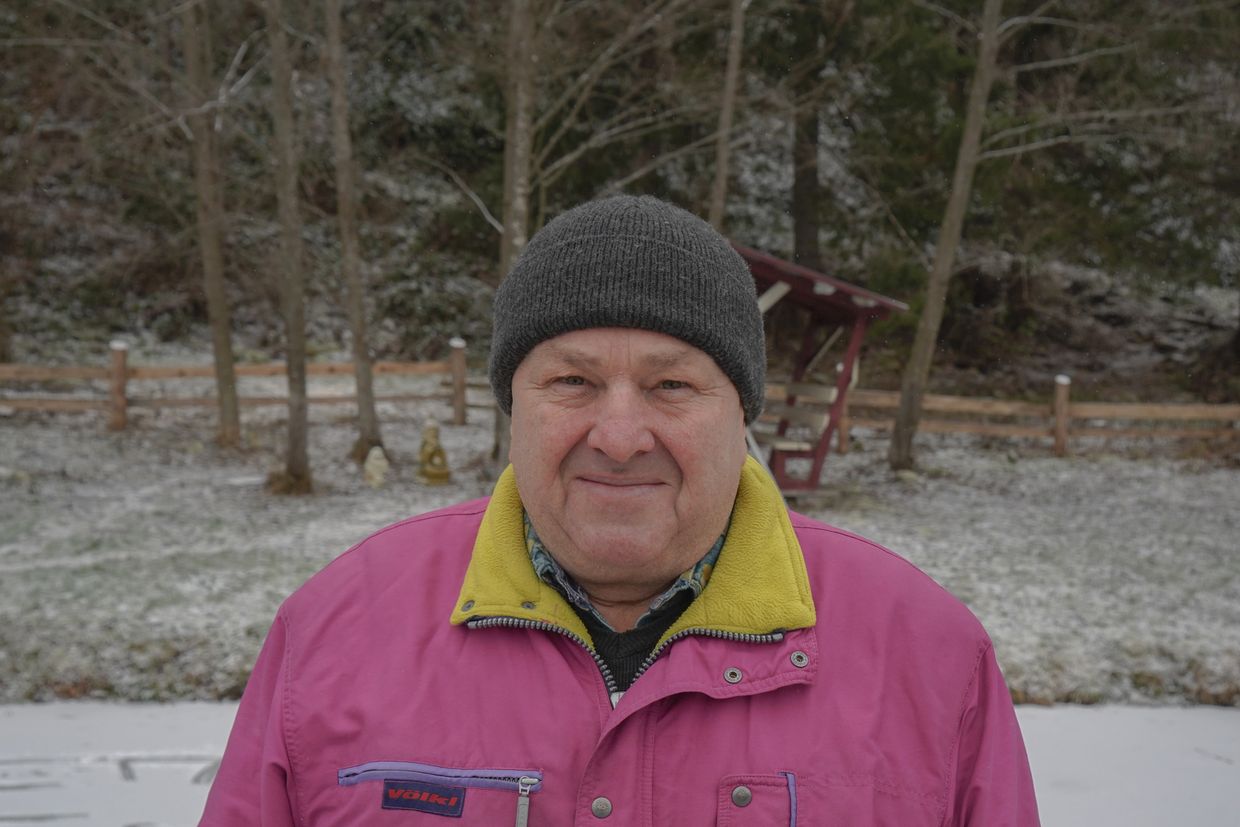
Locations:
{"points": [[634, 262]]}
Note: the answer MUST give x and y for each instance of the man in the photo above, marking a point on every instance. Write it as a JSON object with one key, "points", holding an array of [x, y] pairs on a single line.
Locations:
{"points": [[632, 629]]}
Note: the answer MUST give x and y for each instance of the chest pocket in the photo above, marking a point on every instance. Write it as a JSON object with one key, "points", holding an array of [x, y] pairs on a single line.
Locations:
{"points": [[836, 801], [757, 800], [479, 796]]}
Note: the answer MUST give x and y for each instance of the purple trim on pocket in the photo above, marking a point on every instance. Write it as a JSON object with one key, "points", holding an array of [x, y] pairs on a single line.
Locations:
{"points": [[493, 779], [792, 798]]}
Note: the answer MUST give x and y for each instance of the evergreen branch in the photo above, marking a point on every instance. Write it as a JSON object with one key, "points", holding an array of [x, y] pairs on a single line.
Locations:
{"points": [[887, 210]]}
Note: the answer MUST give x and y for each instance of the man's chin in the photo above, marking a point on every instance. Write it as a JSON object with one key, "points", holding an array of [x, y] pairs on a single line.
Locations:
{"points": [[621, 508], [623, 543]]}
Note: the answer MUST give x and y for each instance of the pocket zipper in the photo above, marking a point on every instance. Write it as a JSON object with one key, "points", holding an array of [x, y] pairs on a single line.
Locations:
{"points": [[523, 782]]}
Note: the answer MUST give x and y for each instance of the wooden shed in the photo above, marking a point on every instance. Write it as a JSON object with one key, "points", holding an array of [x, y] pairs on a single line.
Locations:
{"points": [[801, 417]]}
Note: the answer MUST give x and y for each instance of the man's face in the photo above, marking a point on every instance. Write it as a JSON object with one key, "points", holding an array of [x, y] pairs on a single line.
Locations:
{"points": [[627, 447]]}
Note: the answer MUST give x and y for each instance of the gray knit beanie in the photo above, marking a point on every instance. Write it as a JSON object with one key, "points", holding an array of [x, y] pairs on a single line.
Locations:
{"points": [[632, 262]]}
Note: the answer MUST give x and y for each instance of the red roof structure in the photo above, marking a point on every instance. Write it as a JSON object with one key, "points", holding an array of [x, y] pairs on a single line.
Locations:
{"points": [[835, 307]]}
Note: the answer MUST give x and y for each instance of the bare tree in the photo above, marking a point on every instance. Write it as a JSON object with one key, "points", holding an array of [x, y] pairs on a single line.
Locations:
{"points": [[812, 43], [350, 257], [522, 60], [522, 66], [196, 42], [727, 106], [917, 369], [296, 478], [6, 329]]}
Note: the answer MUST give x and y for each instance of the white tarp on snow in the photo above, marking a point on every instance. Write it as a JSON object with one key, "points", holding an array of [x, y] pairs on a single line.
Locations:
{"points": [[147, 765]]}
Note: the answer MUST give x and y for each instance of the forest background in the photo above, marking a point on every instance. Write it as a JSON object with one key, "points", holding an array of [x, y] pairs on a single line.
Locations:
{"points": [[305, 177], [1057, 182]]}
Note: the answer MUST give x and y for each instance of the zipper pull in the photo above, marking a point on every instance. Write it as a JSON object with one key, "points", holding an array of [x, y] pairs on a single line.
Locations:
{"points": [[524, 785]]}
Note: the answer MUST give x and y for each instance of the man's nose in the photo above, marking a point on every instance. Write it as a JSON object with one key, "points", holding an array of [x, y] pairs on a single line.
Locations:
{"points": [[621, 427]]}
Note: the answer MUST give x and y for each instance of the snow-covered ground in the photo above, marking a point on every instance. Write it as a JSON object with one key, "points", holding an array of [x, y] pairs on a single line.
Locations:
{"points": [[150, 765], [147, 564]]}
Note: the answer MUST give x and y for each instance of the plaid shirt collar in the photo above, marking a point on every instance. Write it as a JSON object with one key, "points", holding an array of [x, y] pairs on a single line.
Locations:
{"points": [[694, 579]]}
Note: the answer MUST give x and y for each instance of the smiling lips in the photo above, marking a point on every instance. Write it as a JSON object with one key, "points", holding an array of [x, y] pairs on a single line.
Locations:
{"points": [[619, 486]]}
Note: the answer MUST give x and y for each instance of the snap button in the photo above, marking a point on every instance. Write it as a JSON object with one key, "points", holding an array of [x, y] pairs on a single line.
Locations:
{"points": [[741, 796], [799, 659], [732, 675], [469, 604], [527, 605], [601, 807]]}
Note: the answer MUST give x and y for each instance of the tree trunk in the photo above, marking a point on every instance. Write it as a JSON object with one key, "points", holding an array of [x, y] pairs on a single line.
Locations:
{"points": [[806, 193], [296, 478], [723, 141], [518, 133], [6, 330], [518, 147], [1235, 340], [917, 370], [350, 258], [210, 209]]}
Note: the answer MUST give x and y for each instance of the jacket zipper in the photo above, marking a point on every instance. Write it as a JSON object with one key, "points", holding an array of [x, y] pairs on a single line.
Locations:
{"points": [[520, 623], [524, 785], [523, 781], [613, 691], [735, 637]]}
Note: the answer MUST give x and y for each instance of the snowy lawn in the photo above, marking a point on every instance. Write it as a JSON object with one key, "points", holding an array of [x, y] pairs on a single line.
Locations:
{"points": [[147, 564]]}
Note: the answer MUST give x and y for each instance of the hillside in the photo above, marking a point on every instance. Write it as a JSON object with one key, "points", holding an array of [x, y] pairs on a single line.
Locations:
{"points": [[1099, 239], [1012, 326]]}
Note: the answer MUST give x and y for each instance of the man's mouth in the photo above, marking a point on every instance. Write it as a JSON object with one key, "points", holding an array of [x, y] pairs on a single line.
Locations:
{"points": [[620, 485]]}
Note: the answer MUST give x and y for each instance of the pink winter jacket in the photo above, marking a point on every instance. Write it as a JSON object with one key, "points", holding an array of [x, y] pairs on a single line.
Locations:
{"points": [[428, 674]]}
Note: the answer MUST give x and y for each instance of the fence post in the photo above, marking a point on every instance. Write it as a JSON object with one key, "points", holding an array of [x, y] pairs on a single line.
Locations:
{"points": [[1063, 384], [118, 404], [841, 433], [457, 361]]}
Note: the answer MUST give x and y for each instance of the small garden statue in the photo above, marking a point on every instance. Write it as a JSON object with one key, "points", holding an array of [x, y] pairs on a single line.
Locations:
{"points": [[375, 468], [434, 470]]}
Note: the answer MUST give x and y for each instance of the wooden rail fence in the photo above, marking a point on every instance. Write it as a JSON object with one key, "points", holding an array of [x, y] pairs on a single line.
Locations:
{"points": [[1060, 421], [119, 373]]}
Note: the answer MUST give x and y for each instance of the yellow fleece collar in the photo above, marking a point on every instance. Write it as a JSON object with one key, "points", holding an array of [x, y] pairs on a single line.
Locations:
{"points": [[758, 586]]}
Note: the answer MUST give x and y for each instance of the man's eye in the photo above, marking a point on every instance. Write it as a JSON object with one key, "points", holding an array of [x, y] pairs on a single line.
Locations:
{"points": [[571, 380], [672, 385]]}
